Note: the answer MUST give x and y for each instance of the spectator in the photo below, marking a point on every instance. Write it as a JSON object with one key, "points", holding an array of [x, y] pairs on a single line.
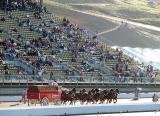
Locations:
{"points": [[2, 19]]}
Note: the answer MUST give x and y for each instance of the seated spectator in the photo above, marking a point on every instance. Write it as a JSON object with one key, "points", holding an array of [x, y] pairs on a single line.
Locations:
{"points": [[65, 22], [1, 30], [45, 9], [6, 67], [3, 19], [14, 30]]}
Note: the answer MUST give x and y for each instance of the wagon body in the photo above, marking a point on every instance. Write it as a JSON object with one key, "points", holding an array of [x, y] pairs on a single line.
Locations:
{"points": [[41, 92], [50, 95]]}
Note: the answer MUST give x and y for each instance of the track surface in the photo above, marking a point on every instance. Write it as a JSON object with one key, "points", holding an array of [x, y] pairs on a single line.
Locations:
{"points": [[125, 36], [120, 101]]}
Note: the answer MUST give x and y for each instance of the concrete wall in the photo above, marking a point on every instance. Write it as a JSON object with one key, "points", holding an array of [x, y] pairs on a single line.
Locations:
{"points": [[73, 110], [19, 90], [11, 91], [120, 96]]}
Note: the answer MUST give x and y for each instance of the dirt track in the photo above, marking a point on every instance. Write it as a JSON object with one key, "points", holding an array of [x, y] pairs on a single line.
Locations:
{"points": [[125, 36], [120, 101], [91, 22]]}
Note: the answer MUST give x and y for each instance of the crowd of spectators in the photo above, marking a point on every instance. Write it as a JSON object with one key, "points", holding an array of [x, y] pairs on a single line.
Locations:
{"points": [[64, 37]]}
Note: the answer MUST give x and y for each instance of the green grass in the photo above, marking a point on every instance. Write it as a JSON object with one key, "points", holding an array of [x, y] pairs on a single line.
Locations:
{"points": [[135, 5], [122, 5], [129, 9], [53, 3]]}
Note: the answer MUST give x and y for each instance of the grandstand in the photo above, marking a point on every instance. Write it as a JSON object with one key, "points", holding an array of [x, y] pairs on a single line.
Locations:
{"points": [[44, 47]]}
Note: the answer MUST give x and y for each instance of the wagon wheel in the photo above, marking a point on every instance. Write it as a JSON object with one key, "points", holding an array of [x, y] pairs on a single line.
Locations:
{"points": [[57, 102], [32, 101], [45, 101]]}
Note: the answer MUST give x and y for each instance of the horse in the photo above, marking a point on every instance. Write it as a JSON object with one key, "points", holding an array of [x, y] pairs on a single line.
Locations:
{"points": [[72, 96], [64, 96], [114, 96], [83, 96], [92, 96], [103, 95]]}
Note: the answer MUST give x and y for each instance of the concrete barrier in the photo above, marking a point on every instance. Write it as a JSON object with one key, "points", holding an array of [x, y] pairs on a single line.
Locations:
{"points": [[120, 96], [77, 110]]}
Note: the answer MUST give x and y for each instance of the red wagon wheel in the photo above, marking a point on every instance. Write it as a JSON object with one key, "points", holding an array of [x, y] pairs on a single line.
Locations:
{"points": [[45, 101]]}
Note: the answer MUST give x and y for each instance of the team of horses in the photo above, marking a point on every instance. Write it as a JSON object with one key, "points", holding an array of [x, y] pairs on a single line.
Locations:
{"points": [[92, 96]]}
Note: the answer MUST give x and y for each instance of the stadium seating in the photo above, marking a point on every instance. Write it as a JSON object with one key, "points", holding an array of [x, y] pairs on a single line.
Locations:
{"points": [[50, 44]]}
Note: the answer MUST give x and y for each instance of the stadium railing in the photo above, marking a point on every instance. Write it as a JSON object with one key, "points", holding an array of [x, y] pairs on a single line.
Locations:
{"points": [[21, 78]]}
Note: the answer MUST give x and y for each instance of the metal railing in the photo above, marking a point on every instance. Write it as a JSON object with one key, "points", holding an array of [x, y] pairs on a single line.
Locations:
{"points": [[23, 64], [76, 79], [28, 68]]}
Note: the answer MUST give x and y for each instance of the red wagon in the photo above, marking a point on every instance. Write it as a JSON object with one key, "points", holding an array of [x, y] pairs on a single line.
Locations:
{"points": [[44, 94]]}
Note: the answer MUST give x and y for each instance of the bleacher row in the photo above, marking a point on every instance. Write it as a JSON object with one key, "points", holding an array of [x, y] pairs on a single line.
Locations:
{"points": [[57, 48]]}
